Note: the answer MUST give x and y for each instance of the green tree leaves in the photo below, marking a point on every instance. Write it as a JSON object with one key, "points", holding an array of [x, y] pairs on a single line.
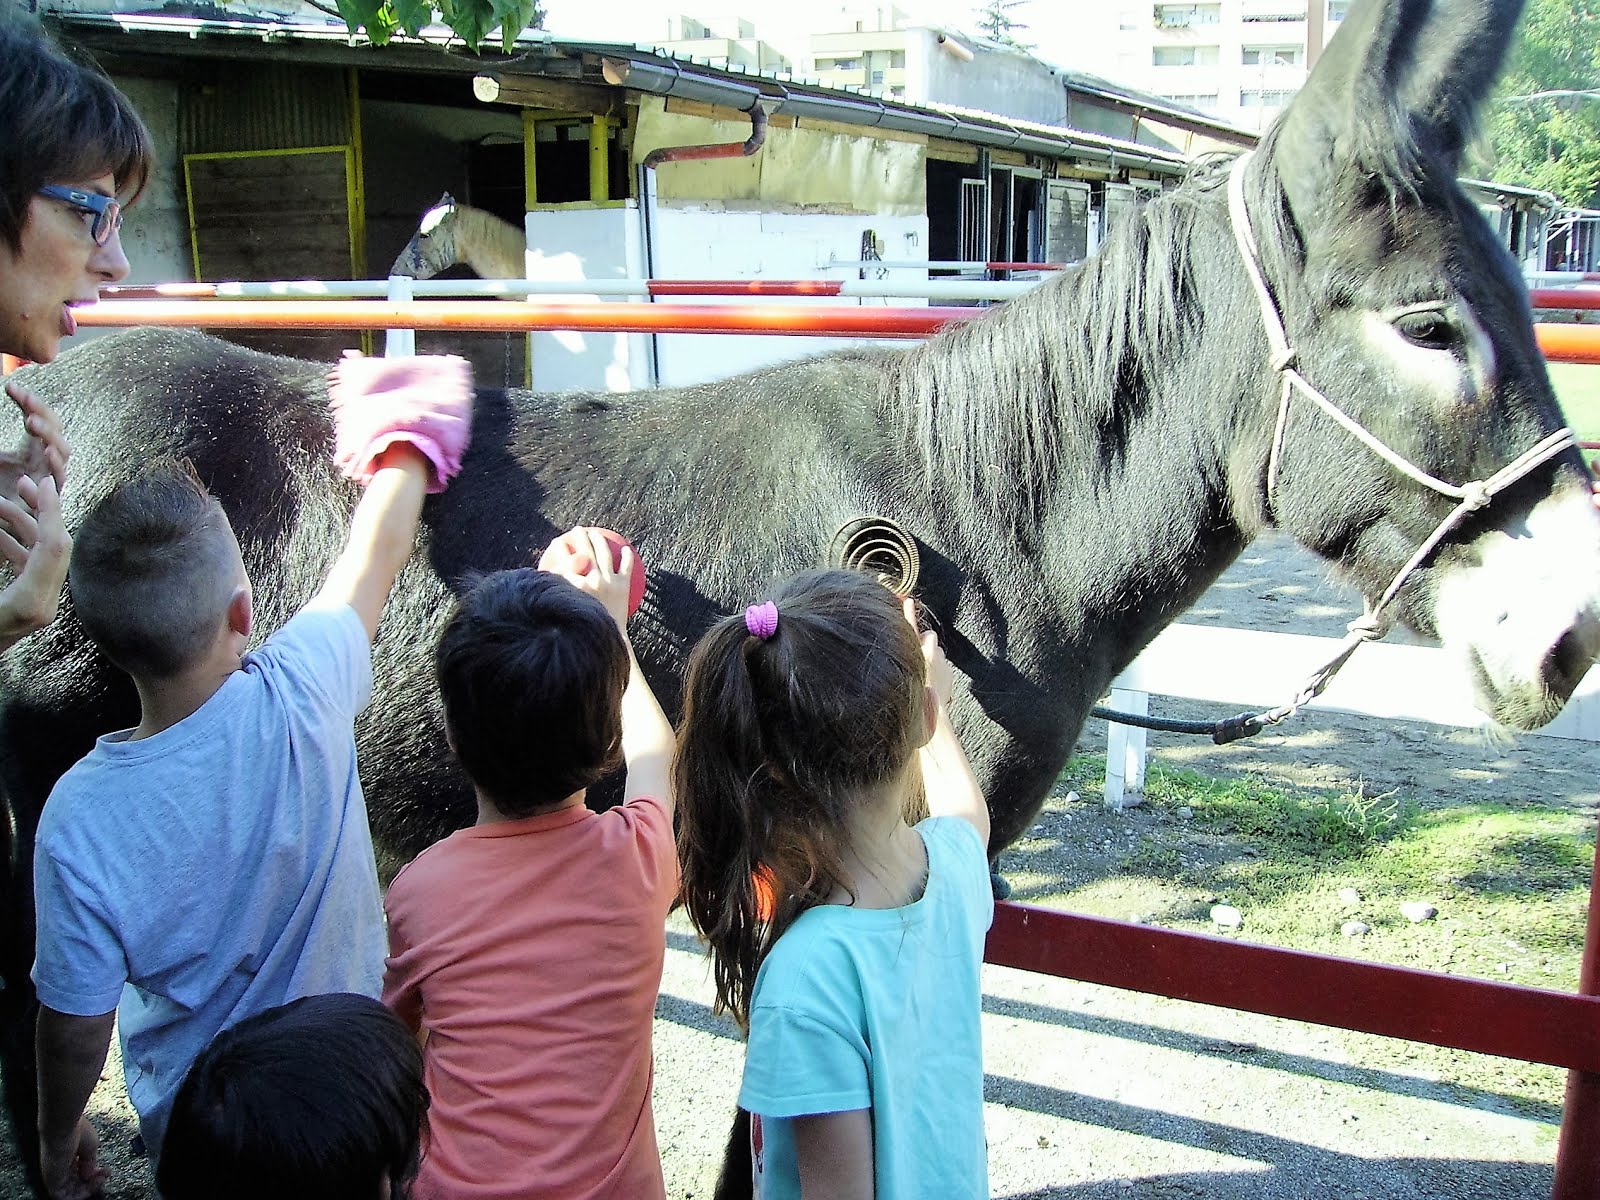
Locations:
{"points": [[1544, 126], [470, 20]]}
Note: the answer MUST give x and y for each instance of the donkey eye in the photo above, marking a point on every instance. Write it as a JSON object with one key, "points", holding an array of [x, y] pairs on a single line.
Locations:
{"points": [[1428, 329]]}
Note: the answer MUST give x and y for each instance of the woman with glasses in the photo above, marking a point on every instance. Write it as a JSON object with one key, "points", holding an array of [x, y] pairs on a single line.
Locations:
{"points": [[72, 151]]}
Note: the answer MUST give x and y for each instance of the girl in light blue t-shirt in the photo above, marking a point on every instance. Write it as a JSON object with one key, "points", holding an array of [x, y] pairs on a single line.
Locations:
{"points": [[846, 939]]}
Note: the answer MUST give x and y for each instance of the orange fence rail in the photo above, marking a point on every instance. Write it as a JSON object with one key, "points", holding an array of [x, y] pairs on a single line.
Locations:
{"points": [[1560, 343]]}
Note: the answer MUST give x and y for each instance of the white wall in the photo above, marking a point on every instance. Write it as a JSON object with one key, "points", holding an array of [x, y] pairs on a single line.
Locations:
{"points": [[994, 81], [696, 244], [586, 243], [606, 243]]}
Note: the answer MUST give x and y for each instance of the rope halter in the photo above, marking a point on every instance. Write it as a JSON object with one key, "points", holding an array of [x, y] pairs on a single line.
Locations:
{"points": [[1469, 497]]}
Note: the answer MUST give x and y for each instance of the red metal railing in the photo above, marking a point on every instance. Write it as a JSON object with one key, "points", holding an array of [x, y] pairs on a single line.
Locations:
{"points": [[1585, 297]]}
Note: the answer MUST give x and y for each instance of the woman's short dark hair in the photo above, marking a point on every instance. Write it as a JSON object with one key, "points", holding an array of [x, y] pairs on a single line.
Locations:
{"points": [[531, 673], [63, 123], [319, 1099]]}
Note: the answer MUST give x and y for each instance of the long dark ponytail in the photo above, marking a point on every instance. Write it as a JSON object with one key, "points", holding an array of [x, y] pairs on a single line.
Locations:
{"points": [[780, 738]]}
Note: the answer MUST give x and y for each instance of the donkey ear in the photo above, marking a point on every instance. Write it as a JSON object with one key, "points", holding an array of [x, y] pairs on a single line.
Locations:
{"points": [[446, 201], [1395, 93]]}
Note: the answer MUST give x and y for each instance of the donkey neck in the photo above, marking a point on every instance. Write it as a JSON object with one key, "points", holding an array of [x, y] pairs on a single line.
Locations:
{"points": [[1097, 426]]}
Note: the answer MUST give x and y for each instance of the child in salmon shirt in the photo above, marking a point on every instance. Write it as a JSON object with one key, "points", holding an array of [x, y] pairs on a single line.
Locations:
{"points": [[528, 948]]}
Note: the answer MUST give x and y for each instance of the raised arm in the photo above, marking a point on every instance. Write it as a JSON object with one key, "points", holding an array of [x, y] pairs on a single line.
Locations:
{"points": [[382, 532], [647, 740], [401, 426], [952, 789]]}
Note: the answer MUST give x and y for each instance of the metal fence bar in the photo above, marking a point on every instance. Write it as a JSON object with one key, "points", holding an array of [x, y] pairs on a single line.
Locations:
{"points": [[1532, 1024]]}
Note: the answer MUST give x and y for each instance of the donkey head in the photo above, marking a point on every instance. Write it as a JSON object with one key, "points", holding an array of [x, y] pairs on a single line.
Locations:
{"points": [[1404, 311], [432, 247]]}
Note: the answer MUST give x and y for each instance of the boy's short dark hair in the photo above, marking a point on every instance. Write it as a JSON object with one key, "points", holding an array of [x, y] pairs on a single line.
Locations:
{"points": [[317, 1099], [64, 123], [154, 565], [532, 671]]}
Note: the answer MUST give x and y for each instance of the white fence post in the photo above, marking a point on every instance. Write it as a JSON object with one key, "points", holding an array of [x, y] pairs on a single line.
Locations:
{"points": [[399, 342], [1250, 667], [1125, 751]]}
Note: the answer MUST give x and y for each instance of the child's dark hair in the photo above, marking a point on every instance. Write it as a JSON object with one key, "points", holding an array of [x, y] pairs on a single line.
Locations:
{"points": [[780, 738], [531, 672], [154, 566], [320, 1099]]}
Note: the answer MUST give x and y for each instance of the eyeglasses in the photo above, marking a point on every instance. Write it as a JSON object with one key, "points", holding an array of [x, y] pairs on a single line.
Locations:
{"points": [[107, 210]]}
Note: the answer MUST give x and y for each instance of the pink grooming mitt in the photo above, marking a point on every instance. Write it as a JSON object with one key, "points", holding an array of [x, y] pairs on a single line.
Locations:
{"points": [[425, 401]]}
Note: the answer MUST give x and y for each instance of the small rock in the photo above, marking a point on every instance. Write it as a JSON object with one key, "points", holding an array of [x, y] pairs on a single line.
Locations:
{"points": [[1349, 896], [1037, 830], [1184, 813], [1355, 929], [1503, 968], [1418, 911], [1071, 797], [1227, 916], [1044, 1142]]}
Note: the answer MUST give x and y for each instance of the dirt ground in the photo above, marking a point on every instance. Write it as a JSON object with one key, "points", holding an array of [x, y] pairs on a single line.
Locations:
{"points": [[1094, 1093]]}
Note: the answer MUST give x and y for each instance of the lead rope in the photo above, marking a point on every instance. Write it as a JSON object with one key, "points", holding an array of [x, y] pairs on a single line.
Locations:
{"points": [[1469, 497]]}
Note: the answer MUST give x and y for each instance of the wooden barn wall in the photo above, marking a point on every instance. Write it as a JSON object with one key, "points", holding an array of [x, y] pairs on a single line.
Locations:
{"points": [[271, 163], [266, 106]]}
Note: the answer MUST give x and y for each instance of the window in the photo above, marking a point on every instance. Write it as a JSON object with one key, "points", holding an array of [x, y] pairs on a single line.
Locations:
{"points": [[838, 64], [877, 79], [1337, 9], [1184, 56], [1274, 16], [1204, 101], [1265, 97], [1186, 16], [897, 60], [1272, 56]]}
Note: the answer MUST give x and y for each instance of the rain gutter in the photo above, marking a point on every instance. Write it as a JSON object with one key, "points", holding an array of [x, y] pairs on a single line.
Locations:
{"points": [[672, 80]]}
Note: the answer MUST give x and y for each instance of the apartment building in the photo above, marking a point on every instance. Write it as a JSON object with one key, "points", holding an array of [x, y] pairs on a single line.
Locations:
{"points": [[728, 42], [1240, 61]]}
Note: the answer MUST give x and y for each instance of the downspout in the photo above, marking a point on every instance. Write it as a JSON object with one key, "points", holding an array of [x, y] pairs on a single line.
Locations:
{"points": [[647, 194], [744, 149]]}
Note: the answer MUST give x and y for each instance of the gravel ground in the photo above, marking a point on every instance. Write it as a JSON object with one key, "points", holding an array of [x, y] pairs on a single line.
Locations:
{"points": [[1094, 1093]]}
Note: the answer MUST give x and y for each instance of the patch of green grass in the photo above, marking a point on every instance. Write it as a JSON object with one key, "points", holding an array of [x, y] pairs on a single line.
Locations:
{"points": [[1510, 882], [1578, 389]]}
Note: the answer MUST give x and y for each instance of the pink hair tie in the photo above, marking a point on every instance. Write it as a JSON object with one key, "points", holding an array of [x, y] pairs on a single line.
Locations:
{"points": [[762, 619]]}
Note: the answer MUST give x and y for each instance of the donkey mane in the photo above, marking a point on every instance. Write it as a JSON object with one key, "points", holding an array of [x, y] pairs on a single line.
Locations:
{"points": [[1012, 397]]}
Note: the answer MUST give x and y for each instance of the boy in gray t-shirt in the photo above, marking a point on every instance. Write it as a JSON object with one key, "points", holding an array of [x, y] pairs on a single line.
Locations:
{"points": [[215, 861]]}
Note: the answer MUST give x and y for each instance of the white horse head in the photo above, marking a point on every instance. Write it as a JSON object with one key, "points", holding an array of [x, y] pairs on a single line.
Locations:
{"points": [[451, 232], [432, 247]]}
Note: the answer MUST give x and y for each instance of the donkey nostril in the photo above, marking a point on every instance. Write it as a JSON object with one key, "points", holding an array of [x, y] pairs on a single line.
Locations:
{"points": [[1568, 661]]}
